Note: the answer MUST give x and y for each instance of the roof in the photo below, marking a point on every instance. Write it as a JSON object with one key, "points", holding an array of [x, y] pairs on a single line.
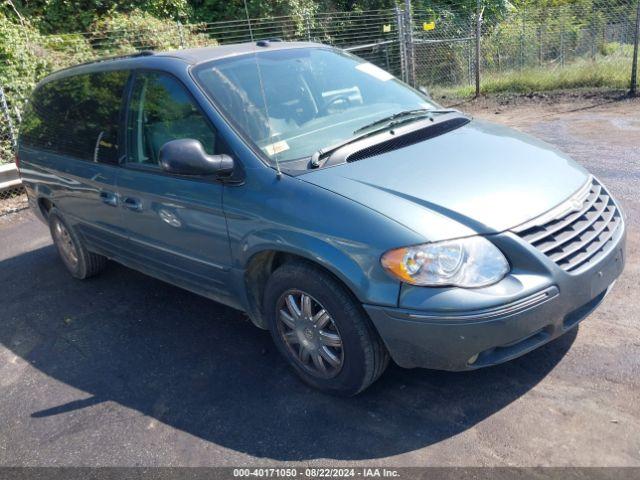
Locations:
{"points": [[203, 54], [190, 56]]}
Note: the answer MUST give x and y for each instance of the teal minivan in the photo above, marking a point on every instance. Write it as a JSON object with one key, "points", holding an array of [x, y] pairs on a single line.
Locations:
{"points": [[339, 208]]}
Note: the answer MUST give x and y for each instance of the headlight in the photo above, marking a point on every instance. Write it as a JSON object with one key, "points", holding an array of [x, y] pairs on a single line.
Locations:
{"points": [[467, 262]]}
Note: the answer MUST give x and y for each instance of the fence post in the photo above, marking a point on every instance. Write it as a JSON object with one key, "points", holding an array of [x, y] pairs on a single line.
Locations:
{"points": [[593, 34], [401, 44], [539, 45], [562, 44], [479, 11], [408, 30], [634, 66], [7, 116], [180, 33], [16, 110], [307, 14], [386, 54], [470, 61], [522, 37]]}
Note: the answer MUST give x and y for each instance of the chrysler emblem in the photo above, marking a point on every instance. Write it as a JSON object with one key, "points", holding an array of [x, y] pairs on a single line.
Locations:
{"points": [[576, 204]]}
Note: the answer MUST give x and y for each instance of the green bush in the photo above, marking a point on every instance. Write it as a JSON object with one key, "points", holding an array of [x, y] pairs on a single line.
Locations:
{"points": [[26, 55], [616, 49], [66, 50], [124, 33], [23, 59], [72, 16]]}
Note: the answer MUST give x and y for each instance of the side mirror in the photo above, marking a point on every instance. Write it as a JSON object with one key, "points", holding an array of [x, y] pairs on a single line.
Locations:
{"points": [[186, 156]]}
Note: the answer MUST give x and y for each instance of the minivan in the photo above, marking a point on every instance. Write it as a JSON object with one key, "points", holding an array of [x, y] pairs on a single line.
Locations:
{"points": [[338, 207]]}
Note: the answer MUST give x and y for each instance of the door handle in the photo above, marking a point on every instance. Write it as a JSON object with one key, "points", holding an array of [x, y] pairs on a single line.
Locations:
{"points": [[132, 203], [109, 198]]}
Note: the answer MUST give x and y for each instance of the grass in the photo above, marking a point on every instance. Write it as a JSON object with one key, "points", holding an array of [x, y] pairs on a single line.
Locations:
{"points": [[604, 72]]}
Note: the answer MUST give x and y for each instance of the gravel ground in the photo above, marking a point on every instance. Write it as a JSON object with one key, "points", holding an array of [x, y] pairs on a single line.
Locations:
{"points": [[126, 370], [12, 202]]}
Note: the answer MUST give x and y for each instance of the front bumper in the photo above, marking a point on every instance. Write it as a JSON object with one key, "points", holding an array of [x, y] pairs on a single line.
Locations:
{"points": [[534, 306]]}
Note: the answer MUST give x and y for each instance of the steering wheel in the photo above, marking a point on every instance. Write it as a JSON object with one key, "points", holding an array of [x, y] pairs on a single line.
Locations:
{"points": [[338, 98]]}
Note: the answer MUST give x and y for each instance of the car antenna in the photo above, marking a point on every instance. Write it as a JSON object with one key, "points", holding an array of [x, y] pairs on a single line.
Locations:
{"points": [[264, 97]]}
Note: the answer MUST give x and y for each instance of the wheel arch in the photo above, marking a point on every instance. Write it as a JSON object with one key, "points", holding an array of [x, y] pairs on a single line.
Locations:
{"points": [[41, 200], [44, 206], [263, 263]]}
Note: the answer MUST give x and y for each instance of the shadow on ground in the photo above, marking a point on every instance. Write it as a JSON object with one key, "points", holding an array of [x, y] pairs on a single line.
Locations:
{"points": [[204, 369]]}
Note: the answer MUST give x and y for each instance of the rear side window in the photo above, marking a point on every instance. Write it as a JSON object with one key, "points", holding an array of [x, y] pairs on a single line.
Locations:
{"points": [[77, 116]]}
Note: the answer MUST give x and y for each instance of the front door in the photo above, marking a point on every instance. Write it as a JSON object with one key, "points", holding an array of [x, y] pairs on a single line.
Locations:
{"points": [[176, 225]]}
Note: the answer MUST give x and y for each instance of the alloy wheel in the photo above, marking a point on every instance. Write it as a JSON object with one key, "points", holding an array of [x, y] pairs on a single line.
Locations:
{"points": [[65, 244], [310, 334]]}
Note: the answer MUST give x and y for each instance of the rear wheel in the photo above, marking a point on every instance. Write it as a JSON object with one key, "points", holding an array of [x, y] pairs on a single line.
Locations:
{"points": [[322, 330], [80, 262]]}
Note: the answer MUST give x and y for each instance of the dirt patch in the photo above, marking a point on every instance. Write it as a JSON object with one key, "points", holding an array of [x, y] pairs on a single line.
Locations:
{"points": [[520, 110], [13, 203]]}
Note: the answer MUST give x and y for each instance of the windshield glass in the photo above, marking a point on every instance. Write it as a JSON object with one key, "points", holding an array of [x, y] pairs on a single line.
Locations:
{"points": [[293, 102]]}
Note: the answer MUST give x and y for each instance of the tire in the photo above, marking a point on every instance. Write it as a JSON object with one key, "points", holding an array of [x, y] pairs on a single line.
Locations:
{"points": [[80, 262], [362, 355]]}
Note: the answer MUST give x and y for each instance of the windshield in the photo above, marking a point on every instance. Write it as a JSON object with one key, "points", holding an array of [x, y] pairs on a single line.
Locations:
{"points": [[293, 102]]}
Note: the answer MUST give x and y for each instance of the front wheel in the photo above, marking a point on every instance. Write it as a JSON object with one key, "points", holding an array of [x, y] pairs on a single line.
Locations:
{"points": [[322, 330]]}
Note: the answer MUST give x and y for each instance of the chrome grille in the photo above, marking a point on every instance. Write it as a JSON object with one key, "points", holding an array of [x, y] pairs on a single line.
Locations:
{"points": [[579, 231]]}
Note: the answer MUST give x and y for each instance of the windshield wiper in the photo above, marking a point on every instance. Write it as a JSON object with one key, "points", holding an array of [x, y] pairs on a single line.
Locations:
{"points": [[387, 122], [409, 115], [315, 158]]}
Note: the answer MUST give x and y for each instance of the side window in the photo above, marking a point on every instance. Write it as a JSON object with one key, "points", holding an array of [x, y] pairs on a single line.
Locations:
{"points": [[162, 110], [77, 116]]}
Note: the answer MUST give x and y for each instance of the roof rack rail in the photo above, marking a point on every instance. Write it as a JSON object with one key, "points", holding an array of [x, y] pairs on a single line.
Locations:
{"points": [[264, 42], [141, 53]]}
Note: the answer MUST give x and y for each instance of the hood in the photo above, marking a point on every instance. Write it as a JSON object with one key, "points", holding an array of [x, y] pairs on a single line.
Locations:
{"points": [[480, 178]]}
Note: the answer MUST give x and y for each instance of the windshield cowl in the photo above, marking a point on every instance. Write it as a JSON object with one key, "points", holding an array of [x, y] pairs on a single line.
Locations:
{"points": [[384, 139]]}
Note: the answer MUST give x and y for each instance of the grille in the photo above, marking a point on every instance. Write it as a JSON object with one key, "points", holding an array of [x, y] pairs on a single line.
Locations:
{"points": [[578, 232]]}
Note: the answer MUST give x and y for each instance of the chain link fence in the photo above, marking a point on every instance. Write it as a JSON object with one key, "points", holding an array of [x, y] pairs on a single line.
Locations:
{"points": [[451, 51], [569, 46], [443, 45], [458, 52], [11, 191]]}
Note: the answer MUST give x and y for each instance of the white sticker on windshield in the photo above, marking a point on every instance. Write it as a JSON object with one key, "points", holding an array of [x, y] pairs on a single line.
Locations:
{"points": [[374, 71], [277, 147]]}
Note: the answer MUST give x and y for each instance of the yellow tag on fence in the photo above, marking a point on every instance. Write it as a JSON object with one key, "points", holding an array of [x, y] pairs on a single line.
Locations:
{"points": [[386, 28], [429, 26]]}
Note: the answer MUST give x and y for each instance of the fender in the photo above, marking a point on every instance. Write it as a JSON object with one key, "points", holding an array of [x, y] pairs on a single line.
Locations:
{"points": [[295, 217], [339, 257]]}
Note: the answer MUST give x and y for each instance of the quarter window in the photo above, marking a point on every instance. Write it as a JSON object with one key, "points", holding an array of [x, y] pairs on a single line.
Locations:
{"points": [[77, 116], [162, 110]]}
